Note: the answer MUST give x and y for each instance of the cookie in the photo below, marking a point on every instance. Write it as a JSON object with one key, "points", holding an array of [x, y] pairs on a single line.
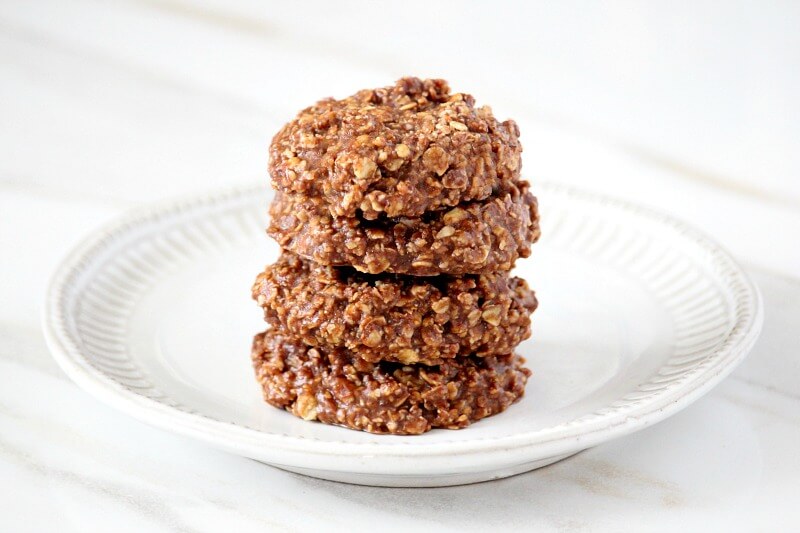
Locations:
{"points": [[397, 151], [334, 387], [471, 238], [389, 317]]}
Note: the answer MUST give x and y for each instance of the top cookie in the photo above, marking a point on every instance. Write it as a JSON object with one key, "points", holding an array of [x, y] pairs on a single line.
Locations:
{"points": [[401, 150]]}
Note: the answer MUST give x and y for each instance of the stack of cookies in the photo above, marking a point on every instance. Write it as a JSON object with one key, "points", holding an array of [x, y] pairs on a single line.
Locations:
{"points": [[400, 212]]}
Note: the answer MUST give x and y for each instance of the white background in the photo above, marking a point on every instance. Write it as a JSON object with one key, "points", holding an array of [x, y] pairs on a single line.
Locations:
{"points": [[689, 107]]}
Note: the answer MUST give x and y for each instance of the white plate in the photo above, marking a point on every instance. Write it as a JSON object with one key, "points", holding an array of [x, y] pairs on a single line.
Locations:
{"points": [[639, 317]]}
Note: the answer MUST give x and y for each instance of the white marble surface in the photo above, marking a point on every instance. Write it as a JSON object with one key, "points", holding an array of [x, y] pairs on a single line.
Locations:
{"points": [[105, 106]]}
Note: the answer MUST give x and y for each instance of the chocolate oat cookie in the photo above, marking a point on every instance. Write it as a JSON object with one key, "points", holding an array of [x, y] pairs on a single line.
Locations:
{"points": [[335, 388], [405, 319], [400, 212], [396, 151], [471, 238]]}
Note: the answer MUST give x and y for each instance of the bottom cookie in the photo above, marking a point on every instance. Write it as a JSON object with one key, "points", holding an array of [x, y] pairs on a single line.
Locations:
{"points": [[336, 388]]}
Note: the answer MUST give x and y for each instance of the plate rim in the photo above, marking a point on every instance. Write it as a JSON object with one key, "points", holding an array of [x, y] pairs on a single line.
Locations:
{"points": [[746, 326]]}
